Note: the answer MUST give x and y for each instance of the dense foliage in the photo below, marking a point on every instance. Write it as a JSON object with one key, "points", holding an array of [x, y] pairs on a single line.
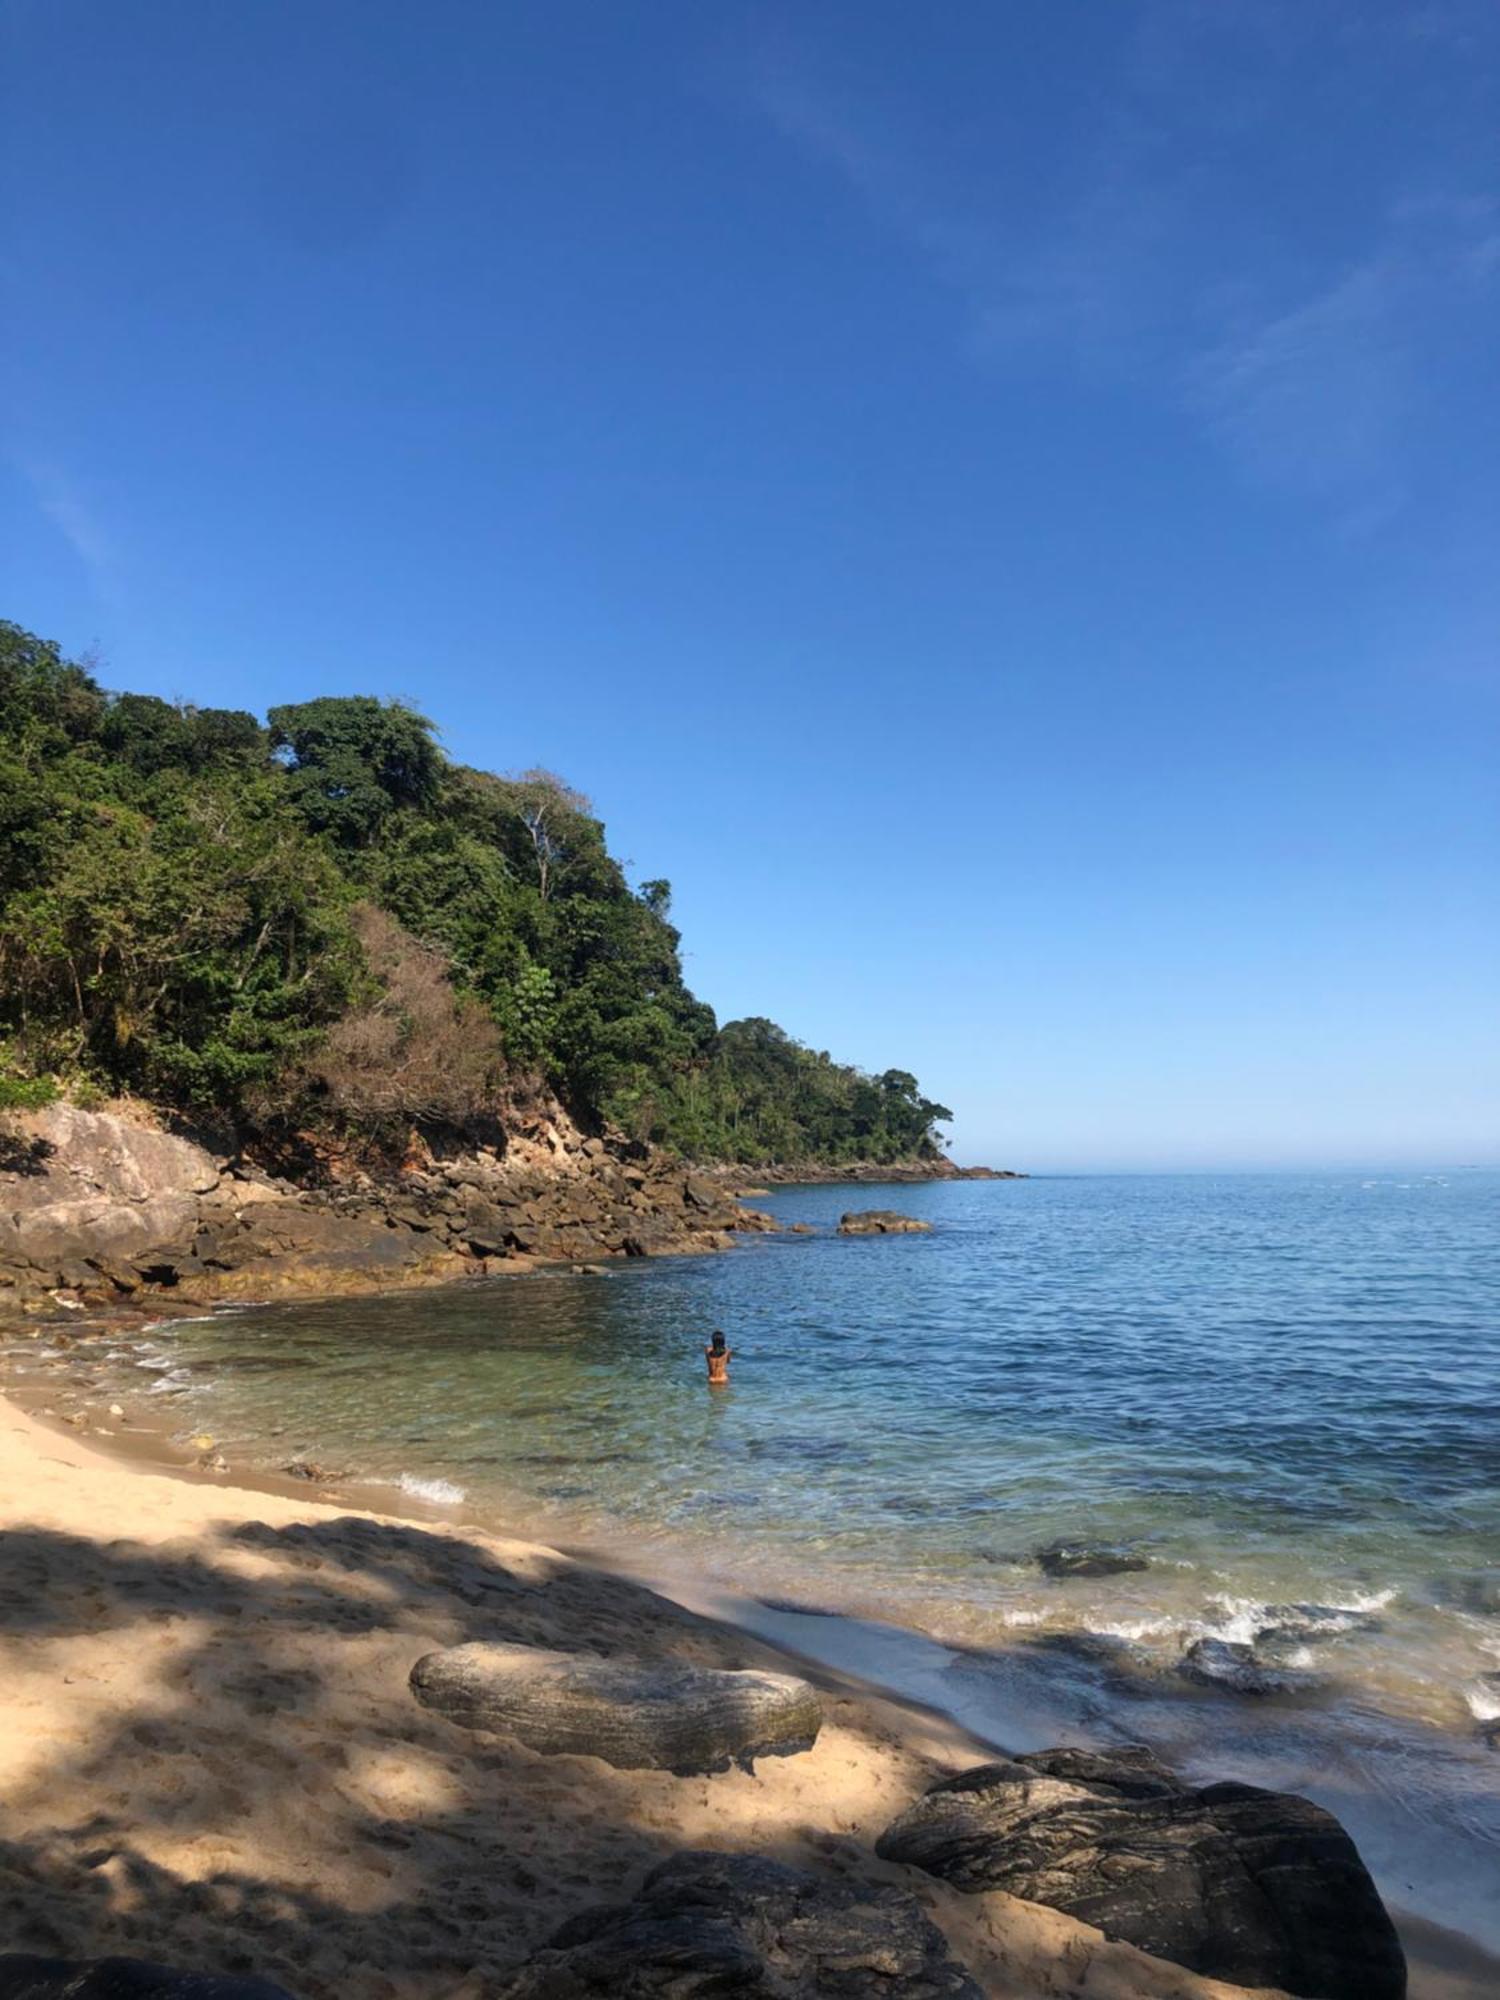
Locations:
{"points": [[323, 920]]}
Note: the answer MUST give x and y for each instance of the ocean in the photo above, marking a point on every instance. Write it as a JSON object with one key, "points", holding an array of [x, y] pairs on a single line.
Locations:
{"points": [[1276, 1398]]}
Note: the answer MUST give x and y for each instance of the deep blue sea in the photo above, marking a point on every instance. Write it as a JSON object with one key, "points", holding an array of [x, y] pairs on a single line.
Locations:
{"points": [[1279, 1393]]}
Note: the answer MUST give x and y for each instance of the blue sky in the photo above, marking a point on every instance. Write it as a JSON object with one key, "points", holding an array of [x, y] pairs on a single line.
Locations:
{"points": [[998, 503]]}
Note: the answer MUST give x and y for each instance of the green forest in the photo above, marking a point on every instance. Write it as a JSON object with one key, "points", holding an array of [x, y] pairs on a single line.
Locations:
{"points": [[319, 922]]}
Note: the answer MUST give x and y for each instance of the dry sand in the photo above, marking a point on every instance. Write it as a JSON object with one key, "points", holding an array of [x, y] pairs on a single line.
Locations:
{"points": [[211, 1756]]}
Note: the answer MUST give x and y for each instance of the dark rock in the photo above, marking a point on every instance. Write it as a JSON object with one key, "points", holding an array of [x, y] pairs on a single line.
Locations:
{"points": [[488, 1227], [1228, 1663], [740, 1925], [411, 1214], [637, 1715], [23, 1977], [1256, 1887], [1064, 1559], [701, 1194], [881, 1222]]}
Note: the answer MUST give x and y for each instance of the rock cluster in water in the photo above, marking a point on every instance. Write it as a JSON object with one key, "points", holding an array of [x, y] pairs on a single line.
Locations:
{"points": [[881, 1222], [100, 1210], [1260, 1888]]}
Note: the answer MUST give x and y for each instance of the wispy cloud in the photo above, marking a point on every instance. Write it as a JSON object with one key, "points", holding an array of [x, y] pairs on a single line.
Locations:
{"points": [[60, 499], [1307, 379], [899, 192], [1318, 394], [1075, 285]]}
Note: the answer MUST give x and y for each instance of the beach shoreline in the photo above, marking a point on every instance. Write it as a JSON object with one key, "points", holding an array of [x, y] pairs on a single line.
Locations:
{"points": [[128, 1482]]}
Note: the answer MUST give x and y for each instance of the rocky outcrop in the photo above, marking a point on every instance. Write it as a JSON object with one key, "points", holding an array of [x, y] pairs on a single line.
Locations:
{"points": [[739, 1924], [637, 1715], [881, 1222], [97, 1208], [75, 1183], [1256, 1887], [872, 1173], [23, 1977]]}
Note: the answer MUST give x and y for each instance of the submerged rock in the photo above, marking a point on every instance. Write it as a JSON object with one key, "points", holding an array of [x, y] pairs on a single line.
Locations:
{"points": [[1260, 1888], [881, 1222], [637, 1715], [1229, 1663], [1475, 1591], [1064, 1559], [737, 1924], [23, 1977], [309, 1468]]}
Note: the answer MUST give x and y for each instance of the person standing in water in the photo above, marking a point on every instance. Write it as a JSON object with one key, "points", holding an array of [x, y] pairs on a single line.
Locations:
{"points": [[718, 1357]]}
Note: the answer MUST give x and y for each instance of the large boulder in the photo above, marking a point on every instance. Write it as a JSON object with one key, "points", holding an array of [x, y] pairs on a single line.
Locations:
{"points": [[638, 1715], [736, 1924], [84, 1183], [881, 1222], [1259, 1888], [23, 1977]]}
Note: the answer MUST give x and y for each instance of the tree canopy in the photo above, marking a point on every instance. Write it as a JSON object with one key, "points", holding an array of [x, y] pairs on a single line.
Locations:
{"points": [[323, 918]]}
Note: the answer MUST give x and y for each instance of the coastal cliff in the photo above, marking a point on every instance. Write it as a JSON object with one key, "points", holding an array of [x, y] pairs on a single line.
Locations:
{"points": [[104, 1209]]}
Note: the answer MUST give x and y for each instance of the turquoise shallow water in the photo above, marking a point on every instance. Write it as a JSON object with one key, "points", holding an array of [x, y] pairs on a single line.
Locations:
{"points": [[1272, 1389], [1282, 1393]]}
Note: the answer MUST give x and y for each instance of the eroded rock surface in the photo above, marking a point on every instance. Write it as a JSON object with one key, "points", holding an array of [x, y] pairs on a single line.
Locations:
{"points": [[76, 1181], [104, 1209], [737, 1924], [1260, 1888], [637, 1715]]}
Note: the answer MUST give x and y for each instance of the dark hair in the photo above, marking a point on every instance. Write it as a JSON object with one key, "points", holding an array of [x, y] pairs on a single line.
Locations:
{"points": [[718, 1339]]}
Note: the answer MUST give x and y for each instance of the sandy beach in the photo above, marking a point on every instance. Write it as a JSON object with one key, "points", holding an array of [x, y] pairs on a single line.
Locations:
{"points": [[213, 1757]]}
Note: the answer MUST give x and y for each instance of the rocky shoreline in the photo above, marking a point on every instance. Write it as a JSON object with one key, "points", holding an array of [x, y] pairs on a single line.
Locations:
{"points": [[102, 1211], [106, 1211], [872, 1173]]}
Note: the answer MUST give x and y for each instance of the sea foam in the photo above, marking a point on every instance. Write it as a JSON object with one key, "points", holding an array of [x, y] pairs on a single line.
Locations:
{"points": [[440, 1492]]}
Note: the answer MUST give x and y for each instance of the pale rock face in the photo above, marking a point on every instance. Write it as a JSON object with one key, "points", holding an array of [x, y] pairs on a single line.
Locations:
{"points": [[99, 1179]]}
